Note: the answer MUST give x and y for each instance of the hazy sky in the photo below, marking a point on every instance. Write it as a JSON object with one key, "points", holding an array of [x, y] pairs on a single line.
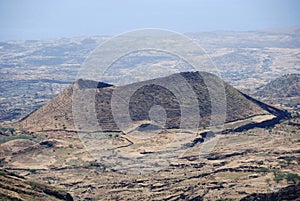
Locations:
{"points": [[35, 19]]}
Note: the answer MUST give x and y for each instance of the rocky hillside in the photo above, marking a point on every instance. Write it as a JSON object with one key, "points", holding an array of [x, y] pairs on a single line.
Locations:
{"points": [[284, 90], [14, 187], [257, 161], [57, 113], [291, 192]]}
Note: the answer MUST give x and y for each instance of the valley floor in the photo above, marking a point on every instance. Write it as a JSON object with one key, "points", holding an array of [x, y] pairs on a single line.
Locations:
{"points": [[254, 161]]}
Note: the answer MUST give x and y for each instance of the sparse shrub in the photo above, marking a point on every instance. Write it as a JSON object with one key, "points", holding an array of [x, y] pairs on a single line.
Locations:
{"points": [[4, 139], [268, 180], [262, 169], [279, 177], [282, 162], [298, 160], [10, 130], [288, 160], [32, 171], [94, 164], [291, 177], [225, 199], [220, 183], [47, 143], [112, 135], [33, 186]]}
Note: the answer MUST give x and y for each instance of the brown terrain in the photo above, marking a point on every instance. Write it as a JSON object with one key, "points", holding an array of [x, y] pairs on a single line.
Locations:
{"points": [[256, 156], [14, 187], [283, 91], [242, 163]]}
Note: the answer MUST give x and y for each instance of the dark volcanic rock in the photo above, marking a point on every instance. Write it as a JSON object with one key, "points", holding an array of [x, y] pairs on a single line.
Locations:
{"points": [[291, 192]]}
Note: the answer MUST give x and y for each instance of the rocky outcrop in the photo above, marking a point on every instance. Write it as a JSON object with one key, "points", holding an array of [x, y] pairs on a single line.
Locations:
{"points": [[14, 187], [291, 192]]}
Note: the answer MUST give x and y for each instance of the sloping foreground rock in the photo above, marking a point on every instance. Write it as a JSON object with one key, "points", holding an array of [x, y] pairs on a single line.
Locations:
{"points": [[291, 192], [14, 187]]}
